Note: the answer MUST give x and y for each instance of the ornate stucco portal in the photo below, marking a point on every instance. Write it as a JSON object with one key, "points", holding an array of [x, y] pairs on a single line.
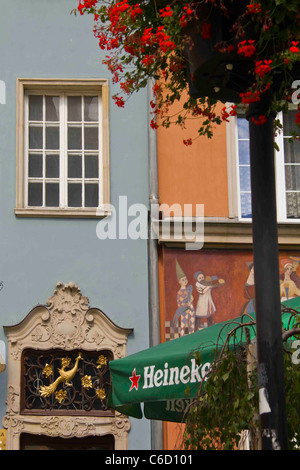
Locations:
{"points": [[57, 372]]}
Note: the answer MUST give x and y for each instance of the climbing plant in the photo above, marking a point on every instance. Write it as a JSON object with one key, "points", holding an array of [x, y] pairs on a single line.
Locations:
{"points": [[226, 410]]}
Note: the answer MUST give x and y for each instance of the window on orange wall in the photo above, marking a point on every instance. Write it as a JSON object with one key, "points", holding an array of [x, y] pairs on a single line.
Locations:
{"points": [[287, 167]]}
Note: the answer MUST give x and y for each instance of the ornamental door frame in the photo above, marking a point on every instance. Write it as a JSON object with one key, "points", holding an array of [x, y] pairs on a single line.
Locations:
{"points": [[66, 322]]}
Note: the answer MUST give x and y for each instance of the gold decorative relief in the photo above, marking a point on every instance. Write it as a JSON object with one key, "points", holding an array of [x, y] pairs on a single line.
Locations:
{"points": [[102, 361], [64, 376], [61, 396], [48, 370], [86, 381], [101, 394]]}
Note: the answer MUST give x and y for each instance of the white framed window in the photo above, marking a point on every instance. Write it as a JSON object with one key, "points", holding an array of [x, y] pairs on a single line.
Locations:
{"points": [[287, 170], [62, 148]]}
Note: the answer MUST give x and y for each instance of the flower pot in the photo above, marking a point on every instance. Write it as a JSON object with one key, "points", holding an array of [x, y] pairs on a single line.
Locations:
{"points": [[219, 75], [211, 73]]}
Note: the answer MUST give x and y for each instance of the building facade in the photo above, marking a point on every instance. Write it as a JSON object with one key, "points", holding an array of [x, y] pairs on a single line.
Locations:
{"points": [[214, 282], [80, 278], [74, 292]]}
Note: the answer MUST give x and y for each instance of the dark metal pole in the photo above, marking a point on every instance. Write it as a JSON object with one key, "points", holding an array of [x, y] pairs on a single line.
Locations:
{"points": [[267, 292]]}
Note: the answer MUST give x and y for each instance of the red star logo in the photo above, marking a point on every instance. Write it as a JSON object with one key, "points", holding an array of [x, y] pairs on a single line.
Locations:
{"points": [[134, 380]]}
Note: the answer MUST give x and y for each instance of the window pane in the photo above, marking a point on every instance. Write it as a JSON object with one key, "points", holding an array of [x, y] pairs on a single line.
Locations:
{"points": [[35, 108], [289, 122], [52, 138], [91, 167], [35, 194], [243, 128], [74, 138], [75, 166], [291, 151], [35, 137], [74, 195], [245, 184], [91, 138], [52, 166], [52, 194], [244, 152], [35, 165], [91, 108], [246, 206], [293, 205], [91, 195], [74, 108], [292, 177], [52, 108]]}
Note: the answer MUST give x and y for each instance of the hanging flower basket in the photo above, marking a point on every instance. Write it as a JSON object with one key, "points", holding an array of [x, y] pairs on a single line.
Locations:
{"points": [[223, 66], [211, 71], [207, 50]]}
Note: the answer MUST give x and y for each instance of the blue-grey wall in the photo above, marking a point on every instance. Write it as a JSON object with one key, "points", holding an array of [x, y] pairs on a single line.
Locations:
{"points": [[40, 39]]}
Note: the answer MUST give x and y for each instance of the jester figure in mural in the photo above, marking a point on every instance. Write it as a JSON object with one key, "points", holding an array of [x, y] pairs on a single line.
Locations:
{"points": [[249, 290], [205, 306], [289, 279], [185, 313]]}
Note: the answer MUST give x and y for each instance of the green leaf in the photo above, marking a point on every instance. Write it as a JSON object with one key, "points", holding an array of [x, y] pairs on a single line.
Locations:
{"points": [[225, 376]]}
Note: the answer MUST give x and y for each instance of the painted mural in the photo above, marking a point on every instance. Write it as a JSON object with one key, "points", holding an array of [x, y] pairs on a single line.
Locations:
{"points": [[212, 286]]}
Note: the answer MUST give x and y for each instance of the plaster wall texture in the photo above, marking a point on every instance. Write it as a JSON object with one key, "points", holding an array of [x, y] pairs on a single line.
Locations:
{"points": [[41, 39]]}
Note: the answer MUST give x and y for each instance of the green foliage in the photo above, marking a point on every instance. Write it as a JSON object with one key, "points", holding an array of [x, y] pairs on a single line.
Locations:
{"points": [[292, 390], [228, 405], [225, 408]]}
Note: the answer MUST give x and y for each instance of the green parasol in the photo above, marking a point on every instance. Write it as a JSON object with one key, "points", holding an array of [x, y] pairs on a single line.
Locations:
{"points": [[166, 377]]}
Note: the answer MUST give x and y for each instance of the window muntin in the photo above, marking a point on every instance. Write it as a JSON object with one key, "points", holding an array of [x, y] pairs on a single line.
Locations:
{"points": [[287, 162], [62, 150]]}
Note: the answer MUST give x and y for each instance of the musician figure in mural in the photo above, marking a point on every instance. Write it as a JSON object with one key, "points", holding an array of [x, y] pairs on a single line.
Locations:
{"points": [[205, 306], [185, 313], [289, 279]]}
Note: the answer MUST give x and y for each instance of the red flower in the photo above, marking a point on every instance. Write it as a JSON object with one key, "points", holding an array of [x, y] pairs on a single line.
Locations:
{"points": [[294, 48], [183, 21], [86, 4], [153, 124], [148, 60], [247, 49], [227, 112], [262, 67], [250, 97], [261, 120], [187, 142], [187, 12], [226, 49], [254, 8], [165, 12], [119, 101]]}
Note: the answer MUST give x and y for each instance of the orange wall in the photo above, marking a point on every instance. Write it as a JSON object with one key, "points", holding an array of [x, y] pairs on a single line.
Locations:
{"points": [[195, 174]]}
